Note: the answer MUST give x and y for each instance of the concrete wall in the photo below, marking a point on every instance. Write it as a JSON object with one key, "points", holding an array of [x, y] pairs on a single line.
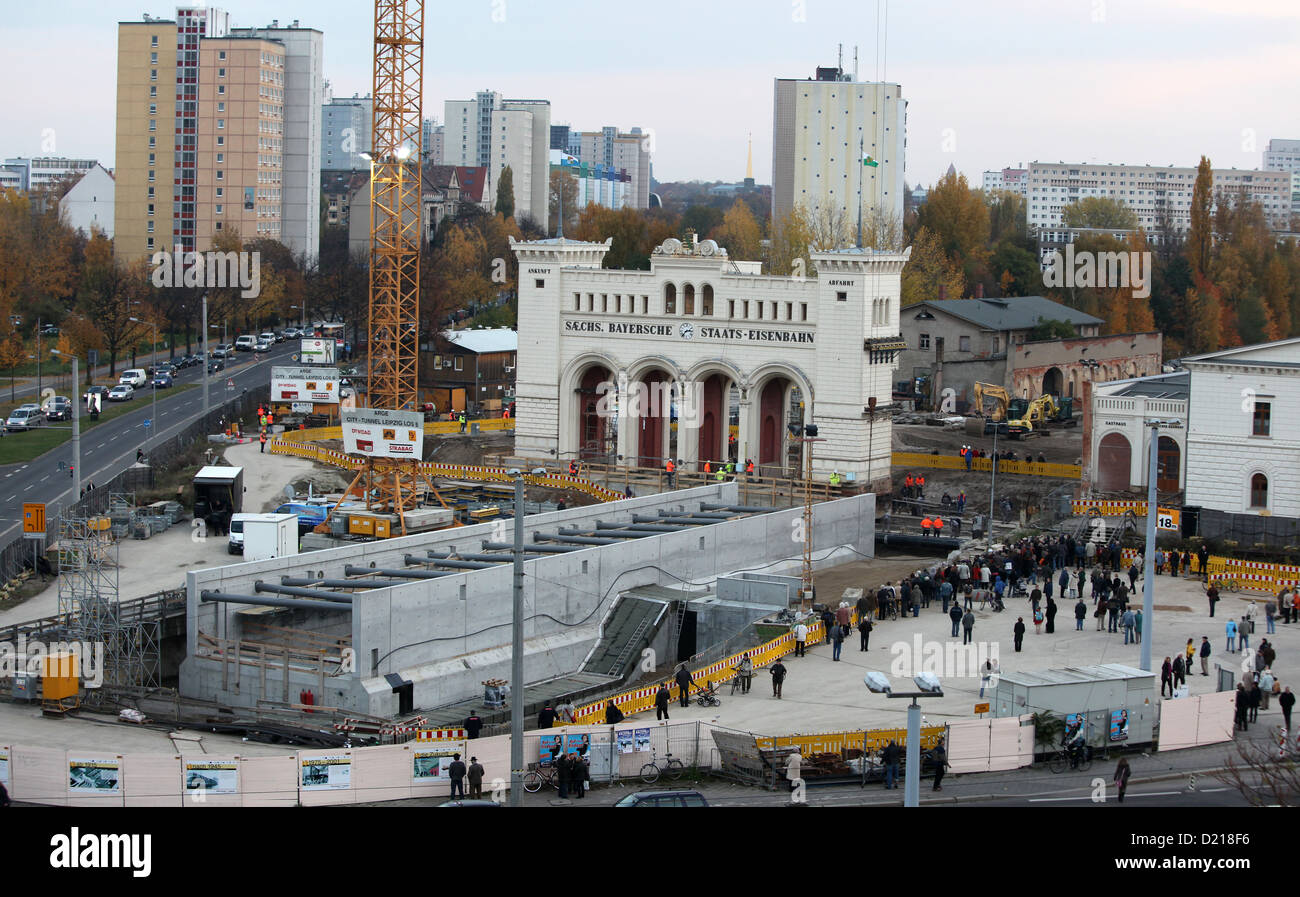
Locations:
{"points": [[448, 635]]}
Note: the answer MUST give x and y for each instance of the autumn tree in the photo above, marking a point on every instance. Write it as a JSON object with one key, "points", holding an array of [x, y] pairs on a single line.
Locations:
{"points": [[1099, 212], [959, 218], [788, 252], [506, 193], [739, 233], [107, 290], [929, 273], [1200, 234], [12, 355]]}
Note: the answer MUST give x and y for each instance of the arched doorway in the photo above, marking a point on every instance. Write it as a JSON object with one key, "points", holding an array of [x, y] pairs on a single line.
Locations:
{"points": [[713, 415], [771, 422], [1168, 462], [1114, 463], [594, 434], [1053, 382], [653, 417]]}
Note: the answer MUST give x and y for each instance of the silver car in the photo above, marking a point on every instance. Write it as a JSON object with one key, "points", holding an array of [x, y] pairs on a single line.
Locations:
{"points": [[25, 419]]}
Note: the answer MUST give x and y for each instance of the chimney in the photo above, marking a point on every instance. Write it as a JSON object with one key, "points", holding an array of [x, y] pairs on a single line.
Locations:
{"points": [[943, 291], [979, 291]]}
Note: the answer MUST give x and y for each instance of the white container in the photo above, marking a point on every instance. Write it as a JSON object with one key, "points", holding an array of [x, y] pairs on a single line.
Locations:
{"points": [[270, 536]]}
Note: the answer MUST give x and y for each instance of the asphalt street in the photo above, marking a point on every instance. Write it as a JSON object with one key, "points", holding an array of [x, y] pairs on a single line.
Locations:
{"points": [[110, 447]]}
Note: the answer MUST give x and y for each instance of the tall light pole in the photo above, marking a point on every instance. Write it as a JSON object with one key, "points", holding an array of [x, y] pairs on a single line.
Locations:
{"points": [[207, 360], [930, 687], [1149, 556], [517, 646], [153, 354], [76, 432], [993, 482]]}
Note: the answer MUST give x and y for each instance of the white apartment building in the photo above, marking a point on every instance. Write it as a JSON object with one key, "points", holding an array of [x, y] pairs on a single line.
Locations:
{"points": [[492, 132], [1152, 193], [1014, 180], [431, 138], [348, 129], [623, 152], [88, 206], [821, 129], [1243, 439], [1284, 155], [35, 174], [304, 86]]}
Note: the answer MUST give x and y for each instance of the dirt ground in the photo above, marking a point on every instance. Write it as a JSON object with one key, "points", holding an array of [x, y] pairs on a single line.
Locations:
{"points": [[1063, 446]]}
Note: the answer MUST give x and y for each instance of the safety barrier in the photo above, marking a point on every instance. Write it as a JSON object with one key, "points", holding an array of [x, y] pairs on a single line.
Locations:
{"points": [[1251, 576], [1108, 508], [834, 742], [985, 465]]}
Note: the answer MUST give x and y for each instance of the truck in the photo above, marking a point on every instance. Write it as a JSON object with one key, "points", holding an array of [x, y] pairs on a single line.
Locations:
{"points": [[270, 536], [218, 494]]}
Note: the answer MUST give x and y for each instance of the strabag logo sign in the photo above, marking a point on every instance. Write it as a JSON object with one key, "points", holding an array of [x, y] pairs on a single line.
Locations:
{"points": [[305, 384], [378, 433]]}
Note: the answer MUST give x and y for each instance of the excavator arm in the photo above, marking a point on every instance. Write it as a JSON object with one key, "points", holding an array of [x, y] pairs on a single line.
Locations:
{"points": [[998, 394]]}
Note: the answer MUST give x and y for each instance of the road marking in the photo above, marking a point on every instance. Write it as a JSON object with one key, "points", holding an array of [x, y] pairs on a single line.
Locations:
{"points": [[1041, 800], [44, 478]]}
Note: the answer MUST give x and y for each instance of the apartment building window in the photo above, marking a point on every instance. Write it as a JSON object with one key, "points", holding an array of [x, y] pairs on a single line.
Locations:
{"points": [[221, 124], [221, 90], [153, 125], [153, 108], [151, 192], [153, 74], [220, 174], [220, 208], [221, 55], [963, 343], [151, 158], [153, 40], [220, 191], [153, 91], [150, 243], [153, 58], [1262, 424], [221, 141], [221, 73], [1259, 491], [218, 225], [150, 230], [221, 157], [151, 174], [924, 341], [221, 107], [153, 142], [150, 208]]}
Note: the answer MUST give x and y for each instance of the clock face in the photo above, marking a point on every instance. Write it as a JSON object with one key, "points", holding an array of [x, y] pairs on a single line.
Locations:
{"points": [[687, 331]]}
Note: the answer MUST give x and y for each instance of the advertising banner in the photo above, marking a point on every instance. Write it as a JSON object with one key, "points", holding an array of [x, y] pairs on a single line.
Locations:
{"points": [[305, 384], [625, 741], [642, 741], [317, 351], [94, 776], [431, 765], [1119, 725], [379, 433], [328, 773], [212, 776]]}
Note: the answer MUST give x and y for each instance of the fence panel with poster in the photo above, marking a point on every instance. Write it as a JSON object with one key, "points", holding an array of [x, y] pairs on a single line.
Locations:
{"points": [[317, 385], [317, 351], [380, 433]]}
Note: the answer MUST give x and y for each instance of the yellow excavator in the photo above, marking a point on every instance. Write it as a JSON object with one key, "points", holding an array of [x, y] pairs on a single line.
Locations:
{"points": [[1041, 411], [998, 394]]}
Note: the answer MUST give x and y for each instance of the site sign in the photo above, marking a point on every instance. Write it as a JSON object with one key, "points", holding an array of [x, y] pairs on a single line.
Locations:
{"points": [[379, 433], [305, 384], [318, 351]]}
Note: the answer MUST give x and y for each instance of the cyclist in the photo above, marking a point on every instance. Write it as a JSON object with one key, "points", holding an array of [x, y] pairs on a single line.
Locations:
{"points": [[1074, 744]]}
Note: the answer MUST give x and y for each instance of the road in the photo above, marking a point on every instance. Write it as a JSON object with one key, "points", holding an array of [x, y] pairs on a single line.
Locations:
{"points": [[110, 447]]}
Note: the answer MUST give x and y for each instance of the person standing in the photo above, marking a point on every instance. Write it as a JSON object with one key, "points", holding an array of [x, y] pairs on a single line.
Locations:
{"points": [[889, 759], [683, 678], [1121, 777], [612, 714], [864, 629], [800, 638], [939, 757], [1179, 674], [566, 712], [955, 615], [580, 774], [1128, 621], [1038, 622], [1137, 624], [475, 776], [546, 718], [1167, 677], [262, 442], [1080, 614], [1212, 593], [1205, 655], [456, 772], [1266, 681], [1286, 701], [662, 698], [473, 724], [837, 641], [745, 670], [1189, 655], [778, 678], [1019, 632], [1256, 696], [563, 774], [968, 627]]}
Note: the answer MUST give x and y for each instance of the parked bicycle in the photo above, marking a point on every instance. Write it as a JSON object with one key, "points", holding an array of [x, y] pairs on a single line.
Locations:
{"points": [[1224, 584], [536, 778], [670, 767], [1061, 760]]}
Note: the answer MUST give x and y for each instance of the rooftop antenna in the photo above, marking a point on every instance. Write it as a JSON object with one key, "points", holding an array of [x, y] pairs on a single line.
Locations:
{"points": [[839, 60], [559, 227], [855, 62]]}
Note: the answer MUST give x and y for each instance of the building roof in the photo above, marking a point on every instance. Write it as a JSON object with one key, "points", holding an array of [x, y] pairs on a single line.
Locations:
{"points": [[472, 180], [1281, 353], [1106, 672], [497, 339], [1159, 386], [1016, 313]]}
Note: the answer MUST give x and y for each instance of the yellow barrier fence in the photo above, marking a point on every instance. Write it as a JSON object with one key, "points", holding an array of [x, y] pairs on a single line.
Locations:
{"points": [[985, 465], [835, 742], [1250, 576]]}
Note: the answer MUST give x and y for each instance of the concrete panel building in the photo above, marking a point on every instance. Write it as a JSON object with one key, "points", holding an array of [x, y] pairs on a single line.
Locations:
{"points": [[45, 171], [821, 129], [493, 132], [603, 353], [1284, 155], [445, 635], [347, 126]]}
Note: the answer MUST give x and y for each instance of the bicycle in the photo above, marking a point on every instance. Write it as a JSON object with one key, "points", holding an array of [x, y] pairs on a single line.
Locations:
{"points": [[534, 780], [672, 768], [1224, 584], [1060, 761]]}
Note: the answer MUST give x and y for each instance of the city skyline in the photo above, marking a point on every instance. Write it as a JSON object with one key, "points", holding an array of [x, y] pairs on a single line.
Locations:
{"points": [[996, 87]]}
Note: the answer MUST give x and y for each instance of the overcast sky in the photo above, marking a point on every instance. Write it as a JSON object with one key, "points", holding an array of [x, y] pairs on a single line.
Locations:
{"points": [[989, 84]]}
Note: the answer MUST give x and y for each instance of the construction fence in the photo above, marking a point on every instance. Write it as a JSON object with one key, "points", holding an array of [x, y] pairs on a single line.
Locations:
{"points": [[985, 465], [1250, 576]]}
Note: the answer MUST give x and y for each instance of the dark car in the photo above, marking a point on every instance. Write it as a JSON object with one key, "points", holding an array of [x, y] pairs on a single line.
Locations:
{"points": [[162, 380], [59, 408], [663, 799], [216, 364]]}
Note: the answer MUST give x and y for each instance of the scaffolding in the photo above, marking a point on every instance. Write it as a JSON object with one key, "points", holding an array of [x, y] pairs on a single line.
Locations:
{"points": [[90, 608]]}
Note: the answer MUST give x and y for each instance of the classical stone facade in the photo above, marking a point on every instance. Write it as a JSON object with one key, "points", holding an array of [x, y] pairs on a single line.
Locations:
{"points": [[644, 366]]}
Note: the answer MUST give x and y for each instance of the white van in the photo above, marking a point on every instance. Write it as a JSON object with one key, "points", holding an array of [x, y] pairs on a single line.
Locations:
{"points": [[135, 378], [246, 343], [236, 544]]}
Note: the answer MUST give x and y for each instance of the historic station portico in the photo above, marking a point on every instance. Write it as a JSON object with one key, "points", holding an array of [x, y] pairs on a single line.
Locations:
{"points": [[641, 366]]}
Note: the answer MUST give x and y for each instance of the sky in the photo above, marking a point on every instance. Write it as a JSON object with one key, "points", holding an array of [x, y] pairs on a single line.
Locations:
{"points": [[989, 85]]}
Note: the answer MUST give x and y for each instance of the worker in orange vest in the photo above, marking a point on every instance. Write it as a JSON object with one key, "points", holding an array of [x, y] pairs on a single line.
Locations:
{"points": [[573, 468], [708, 468], [926, 526], [671, 470], [920, 486], [938, 526], [749, 467], [262, 439], [505, 415]]}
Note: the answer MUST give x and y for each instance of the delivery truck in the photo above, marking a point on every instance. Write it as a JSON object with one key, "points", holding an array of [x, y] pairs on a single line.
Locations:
{"points": [[218, 494]]}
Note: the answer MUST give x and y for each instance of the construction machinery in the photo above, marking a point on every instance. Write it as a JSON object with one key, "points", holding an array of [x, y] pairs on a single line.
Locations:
{"points": [[998, 394], [1042, 411]]}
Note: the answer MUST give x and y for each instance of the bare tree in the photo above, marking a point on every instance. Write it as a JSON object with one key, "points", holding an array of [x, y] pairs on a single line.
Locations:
{"points": [[1262, 777]]}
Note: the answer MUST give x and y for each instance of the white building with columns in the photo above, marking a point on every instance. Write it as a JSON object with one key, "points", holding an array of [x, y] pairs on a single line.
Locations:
{"points": [[707, 344]]}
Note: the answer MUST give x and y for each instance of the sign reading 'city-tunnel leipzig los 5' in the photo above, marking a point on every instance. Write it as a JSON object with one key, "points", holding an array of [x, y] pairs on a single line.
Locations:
{"points": [[380, 433], [305, 384]]}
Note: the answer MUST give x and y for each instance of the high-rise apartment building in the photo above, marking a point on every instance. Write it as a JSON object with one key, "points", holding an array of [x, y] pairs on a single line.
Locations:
{"points": [[348, 126], [1284, 155], [431, 141], [822, 129], [1012, 180], [218, 129], [1160, 197], [492, 132]]}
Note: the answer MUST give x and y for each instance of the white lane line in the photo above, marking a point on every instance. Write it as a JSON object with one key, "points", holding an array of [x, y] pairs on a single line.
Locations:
{"points": [[44, 478]]}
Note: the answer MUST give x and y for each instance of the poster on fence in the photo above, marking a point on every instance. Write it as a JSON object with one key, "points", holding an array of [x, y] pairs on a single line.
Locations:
{"points": [[625, 741], [327, 773], [431, 765], [577, 744], [1119, 725], [4, 768], [212, 776], [642, 740], [549, 746], [94, 776]]}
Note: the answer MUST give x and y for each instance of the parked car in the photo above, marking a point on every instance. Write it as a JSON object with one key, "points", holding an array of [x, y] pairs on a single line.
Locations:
{"points": [[266, 336], [292, 333], [310, 515], [25, 419], [121, 393], [162, 380], [263, 345], [101, 391], [246, 343], [58, 408], [135, 378], [663, 799], [220, 353], [216, 364]]}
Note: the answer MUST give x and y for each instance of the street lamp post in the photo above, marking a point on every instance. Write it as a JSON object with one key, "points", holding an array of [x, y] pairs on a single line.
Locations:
{"points": [[993, 482], [76, 433], [153, 354], [517, 646], [1149, 556], [206, 358], [930, 687]]}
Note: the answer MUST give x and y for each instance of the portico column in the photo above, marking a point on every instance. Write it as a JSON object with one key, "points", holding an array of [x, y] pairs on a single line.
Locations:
{"points": [[746, 439], [628, 424]]}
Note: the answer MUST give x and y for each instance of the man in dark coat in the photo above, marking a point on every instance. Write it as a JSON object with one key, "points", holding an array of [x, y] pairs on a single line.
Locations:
{"points": [[473, 724], [1051, 615], [563, 772], [612, 714], [939, 757], [546, 718], [864, 629], [889, 758], [683, 678], [1019, 631], [955, 615], [662, 698], [1080, 613], [475, 777], [778, 677], [456, 771], [1286, 701]]}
